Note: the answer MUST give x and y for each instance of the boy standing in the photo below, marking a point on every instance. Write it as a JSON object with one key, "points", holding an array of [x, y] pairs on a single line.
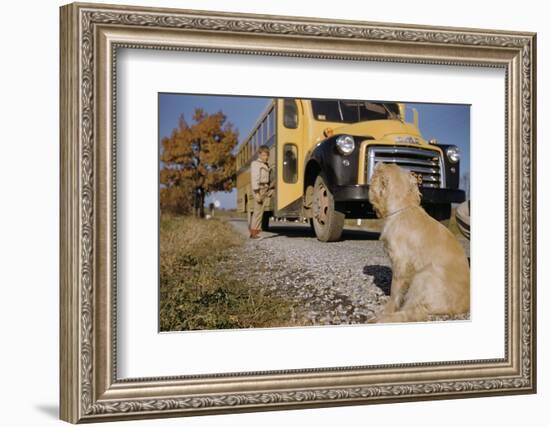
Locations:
{"points": [[261, 189]]}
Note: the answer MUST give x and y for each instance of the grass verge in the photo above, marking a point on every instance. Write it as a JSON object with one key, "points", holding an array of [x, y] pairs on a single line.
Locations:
{"points": [[195, 293]]}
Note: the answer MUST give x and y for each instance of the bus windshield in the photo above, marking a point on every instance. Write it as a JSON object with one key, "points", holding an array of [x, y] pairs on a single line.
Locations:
{"points": [[353, 111]]}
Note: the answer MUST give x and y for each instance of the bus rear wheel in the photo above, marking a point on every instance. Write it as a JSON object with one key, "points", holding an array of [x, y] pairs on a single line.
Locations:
{"points": [[328, 223], [248, 211], [265, 221]]}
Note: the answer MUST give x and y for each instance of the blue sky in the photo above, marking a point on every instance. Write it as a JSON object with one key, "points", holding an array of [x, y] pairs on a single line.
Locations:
{"points": [[448, 123]]}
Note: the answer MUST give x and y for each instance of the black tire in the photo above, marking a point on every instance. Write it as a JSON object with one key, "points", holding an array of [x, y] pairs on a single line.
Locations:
{"points": [[328, 223], [248, 213], [265, 221], [311, 227]]}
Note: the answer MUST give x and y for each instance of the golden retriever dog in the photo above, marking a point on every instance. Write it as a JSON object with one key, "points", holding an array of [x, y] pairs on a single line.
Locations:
{"points": [[430, 270]]}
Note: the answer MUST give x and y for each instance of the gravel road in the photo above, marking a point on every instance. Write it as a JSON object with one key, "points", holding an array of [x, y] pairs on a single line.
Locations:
{"points": [[333, 283]]}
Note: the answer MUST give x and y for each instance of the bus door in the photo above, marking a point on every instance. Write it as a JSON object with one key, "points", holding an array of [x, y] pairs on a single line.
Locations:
{"points": [[290, 152]]}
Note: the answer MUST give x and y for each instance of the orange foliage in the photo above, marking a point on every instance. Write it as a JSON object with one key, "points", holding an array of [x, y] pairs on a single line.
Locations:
{"points": [[198, 156]]}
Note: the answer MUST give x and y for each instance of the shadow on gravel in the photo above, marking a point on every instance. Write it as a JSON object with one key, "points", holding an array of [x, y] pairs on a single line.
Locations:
{"points": [[359, 235], [306, 231], [382, 276], [291, 230]]}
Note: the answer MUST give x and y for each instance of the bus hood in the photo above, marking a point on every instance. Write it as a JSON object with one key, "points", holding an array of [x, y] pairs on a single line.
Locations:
{"points": [[378, 129]]}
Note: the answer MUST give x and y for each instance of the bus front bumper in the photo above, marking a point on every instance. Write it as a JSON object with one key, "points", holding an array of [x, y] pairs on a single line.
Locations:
{"points": [[360, 193]]}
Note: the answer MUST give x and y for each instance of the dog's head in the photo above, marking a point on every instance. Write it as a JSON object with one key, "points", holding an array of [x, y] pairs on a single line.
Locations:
{"points": [[392, 188]]}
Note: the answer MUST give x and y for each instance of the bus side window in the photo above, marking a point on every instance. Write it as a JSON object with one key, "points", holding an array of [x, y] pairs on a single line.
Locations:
{"points": [[290, 114], [290, 163]]}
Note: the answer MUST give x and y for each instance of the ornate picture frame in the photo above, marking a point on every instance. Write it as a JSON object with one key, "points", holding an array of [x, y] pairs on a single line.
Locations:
{"points": [[90, 37]]}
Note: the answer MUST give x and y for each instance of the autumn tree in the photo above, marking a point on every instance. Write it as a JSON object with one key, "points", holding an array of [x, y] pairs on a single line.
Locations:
{"points": [[197, 158]]}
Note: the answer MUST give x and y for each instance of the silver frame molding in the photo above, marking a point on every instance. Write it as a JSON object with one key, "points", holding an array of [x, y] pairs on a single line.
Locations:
{"points": [[90, 37]]}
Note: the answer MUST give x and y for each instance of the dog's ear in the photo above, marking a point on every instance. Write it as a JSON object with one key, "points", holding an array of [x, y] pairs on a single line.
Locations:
{"points": [[382, 189], [415, 181], [384, 182], [378, 189], [381, 176]]}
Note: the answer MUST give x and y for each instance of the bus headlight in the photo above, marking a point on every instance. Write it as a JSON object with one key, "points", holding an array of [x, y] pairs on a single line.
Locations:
{"points": [[453, 154], [345, 144]]}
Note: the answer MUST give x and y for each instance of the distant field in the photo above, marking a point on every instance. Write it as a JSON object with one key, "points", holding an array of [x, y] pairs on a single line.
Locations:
{"points": [[226, 213]]}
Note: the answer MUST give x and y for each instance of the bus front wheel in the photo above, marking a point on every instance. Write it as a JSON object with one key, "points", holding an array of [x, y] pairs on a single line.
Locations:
{"points": [[328, 223]]}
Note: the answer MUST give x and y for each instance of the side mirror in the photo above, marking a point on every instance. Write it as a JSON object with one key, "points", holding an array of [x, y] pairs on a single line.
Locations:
{"points": [[415, 117], [402, 110]]}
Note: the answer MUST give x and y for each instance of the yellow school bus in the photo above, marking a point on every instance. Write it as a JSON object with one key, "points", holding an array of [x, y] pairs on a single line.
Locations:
{"points": [[322, 155]]}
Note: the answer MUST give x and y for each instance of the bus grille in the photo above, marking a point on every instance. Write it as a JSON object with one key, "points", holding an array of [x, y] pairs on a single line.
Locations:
{"points": [[425, 163]]}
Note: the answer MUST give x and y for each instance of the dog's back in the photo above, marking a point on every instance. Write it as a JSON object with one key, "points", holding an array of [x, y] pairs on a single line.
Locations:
{"points": [[441, 274]]}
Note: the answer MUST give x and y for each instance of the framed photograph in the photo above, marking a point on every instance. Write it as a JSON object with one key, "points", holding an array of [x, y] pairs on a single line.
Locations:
{"points": [[270, 212]]}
